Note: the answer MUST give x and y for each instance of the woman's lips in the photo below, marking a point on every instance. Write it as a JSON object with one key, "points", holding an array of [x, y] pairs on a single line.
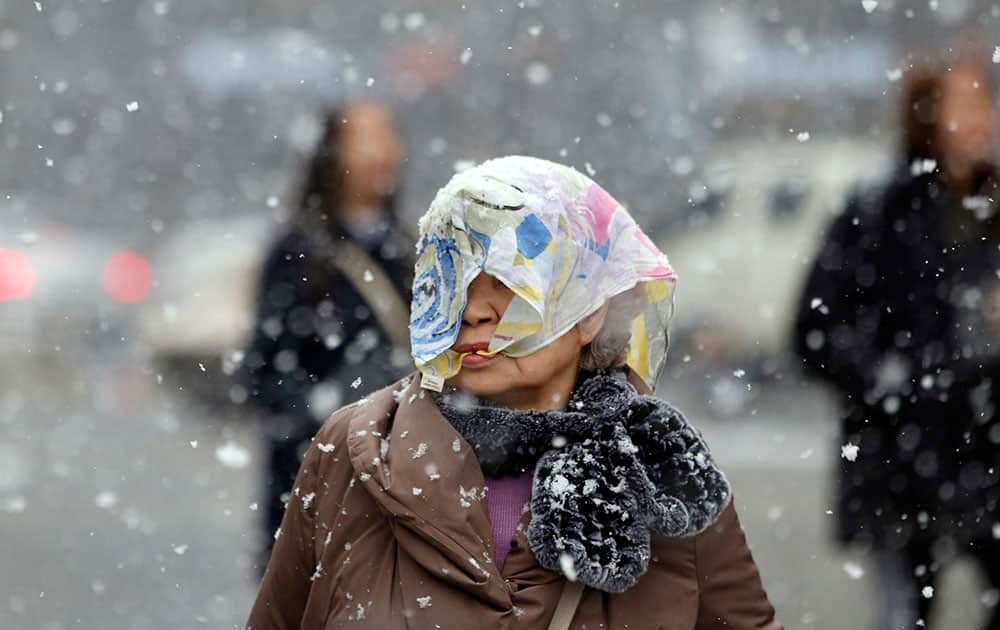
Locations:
{"points": [[473, 354], [476, 360]]}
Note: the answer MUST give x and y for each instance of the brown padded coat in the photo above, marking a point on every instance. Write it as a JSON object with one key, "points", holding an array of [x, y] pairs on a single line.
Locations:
{"points": [[387, 527]]}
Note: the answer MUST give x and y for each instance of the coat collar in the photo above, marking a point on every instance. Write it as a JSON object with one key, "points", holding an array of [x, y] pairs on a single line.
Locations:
{"points": [[425, 477]]}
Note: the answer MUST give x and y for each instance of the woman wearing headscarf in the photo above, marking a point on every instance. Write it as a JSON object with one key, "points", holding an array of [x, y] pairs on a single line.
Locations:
{"points": [[332, 310], [900, 315], [525, 476]]}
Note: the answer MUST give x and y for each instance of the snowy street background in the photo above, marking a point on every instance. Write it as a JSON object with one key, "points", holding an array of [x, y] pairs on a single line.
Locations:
{"points": [[172, 133]]}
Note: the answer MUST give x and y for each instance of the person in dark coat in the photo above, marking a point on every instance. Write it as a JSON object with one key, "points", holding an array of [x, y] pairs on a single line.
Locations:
{"points": [[334, 294], [899, 315]]}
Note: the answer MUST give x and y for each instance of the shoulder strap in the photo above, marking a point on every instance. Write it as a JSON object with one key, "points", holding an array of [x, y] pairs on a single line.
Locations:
{"points": [[572, 593], [370, 281]]}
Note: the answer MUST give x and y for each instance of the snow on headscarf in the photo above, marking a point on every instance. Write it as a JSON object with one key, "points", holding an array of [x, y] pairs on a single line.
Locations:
{"points": [[561, 243]]}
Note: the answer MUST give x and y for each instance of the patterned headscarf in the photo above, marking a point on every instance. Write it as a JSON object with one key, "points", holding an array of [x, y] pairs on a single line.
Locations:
{"points": [[559, 241]]}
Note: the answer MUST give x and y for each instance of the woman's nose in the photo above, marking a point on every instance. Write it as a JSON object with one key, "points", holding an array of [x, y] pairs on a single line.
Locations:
{"points": [[479, 307]]}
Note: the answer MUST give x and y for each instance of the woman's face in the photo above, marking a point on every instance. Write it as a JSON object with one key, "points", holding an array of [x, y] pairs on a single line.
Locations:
{"points": [[541, 380], [370, 151], [965, 126]]}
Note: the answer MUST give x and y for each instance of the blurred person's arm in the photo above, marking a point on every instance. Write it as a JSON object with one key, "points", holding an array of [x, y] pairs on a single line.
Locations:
{"points": [[836, 328], [730, 592]]}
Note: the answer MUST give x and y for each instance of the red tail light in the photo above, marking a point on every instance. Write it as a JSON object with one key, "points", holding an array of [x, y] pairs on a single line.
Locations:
{"points": [[17, 276], [128, 277]]}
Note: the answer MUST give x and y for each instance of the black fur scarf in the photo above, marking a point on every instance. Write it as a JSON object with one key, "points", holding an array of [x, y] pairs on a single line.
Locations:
{"points": [[610, 470]]}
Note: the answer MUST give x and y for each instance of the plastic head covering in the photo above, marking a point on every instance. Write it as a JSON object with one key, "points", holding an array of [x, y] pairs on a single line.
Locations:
{"points": [[561, 243]]}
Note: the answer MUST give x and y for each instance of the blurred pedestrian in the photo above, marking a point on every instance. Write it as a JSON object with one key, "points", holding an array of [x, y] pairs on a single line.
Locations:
{"points": [[899, 315], [334, 294], [525, 477]]}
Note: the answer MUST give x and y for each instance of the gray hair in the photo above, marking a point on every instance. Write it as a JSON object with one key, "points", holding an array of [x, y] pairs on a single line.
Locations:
{"points": [[609, 348]]}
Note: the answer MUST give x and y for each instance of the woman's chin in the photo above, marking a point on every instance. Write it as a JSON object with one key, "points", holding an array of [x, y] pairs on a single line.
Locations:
{"points": [[481, 381]]}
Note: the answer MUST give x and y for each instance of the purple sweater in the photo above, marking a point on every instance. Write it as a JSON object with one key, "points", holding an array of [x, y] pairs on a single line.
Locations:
{"points": [[505, 499]]}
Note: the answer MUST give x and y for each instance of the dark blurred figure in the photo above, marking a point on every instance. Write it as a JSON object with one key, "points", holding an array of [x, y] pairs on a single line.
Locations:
{"points": [[333, 315], [899, 314]]}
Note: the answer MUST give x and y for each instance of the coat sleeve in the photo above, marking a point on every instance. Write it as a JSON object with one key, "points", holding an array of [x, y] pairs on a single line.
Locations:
{"points": [[730, 591], [840, 310], [284, 590]]}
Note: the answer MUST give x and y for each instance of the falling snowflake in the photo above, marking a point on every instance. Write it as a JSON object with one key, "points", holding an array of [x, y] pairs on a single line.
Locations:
{"points": [[465, 56], [854, 570], [325, 447], [414, 21], [927, 592], [132, 106], [996, 55], [894, 74], [803, 136], [106, 500], [424, 602], [919, 167], [849, 451], [180, 550], [537, 73], [869, 5], [232, 455], [356, 383]]}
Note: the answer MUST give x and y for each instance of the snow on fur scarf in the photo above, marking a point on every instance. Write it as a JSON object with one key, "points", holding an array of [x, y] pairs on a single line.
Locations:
{"points": [[611, 470]]}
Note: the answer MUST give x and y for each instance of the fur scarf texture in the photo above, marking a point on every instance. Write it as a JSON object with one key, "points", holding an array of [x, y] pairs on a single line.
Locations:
{"points": [[610, 471]]}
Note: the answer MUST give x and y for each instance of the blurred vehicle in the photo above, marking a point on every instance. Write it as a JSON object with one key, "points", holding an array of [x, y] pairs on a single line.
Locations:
{"points": [[53, 292], [199, 318], [758, 211], [283, 60]]}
